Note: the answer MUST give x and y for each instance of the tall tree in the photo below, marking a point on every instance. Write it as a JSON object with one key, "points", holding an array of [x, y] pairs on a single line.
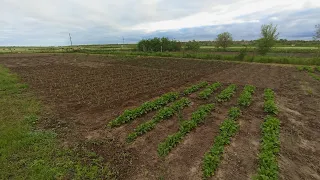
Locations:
{"points": [[269, 36], [224, 40]]}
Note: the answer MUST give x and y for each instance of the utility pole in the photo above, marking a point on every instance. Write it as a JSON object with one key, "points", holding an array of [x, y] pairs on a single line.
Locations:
{"points": [[70, 39]]}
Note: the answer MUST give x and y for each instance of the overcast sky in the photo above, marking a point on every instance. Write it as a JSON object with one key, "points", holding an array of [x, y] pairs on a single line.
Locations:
{"points": [[48, 22]]}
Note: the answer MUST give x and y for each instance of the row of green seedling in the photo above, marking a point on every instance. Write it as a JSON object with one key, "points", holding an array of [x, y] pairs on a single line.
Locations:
{"points": [[269, 102], [309, 68], [195, 88], [270, 144], [213, 157], [209, 90], [227, 93], [310, 71], [173, 140], [314, 76], [246, 96], [162, 114], [130, 115]]}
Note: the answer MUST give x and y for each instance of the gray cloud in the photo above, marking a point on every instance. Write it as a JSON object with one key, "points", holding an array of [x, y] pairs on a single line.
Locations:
{"points": [[48, 22]]}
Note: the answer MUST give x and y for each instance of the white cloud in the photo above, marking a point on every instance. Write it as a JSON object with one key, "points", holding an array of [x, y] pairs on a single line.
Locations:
{"points": [[228, 14], [50, 21]]}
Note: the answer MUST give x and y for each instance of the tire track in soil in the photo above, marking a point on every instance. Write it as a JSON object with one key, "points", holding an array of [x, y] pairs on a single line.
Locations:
{"points": [[240, 160], [300, 128]]}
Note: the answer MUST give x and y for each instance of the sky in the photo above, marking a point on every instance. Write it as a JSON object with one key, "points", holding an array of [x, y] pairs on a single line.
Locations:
{"points": [[49, 22]]}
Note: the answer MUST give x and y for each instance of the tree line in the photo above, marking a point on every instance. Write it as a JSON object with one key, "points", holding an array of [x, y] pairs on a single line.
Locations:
{"points": [[268, 39]]}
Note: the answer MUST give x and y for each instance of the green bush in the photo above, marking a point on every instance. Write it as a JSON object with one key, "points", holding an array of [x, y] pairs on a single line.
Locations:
{"points": [[192, 45], [242, 53], [158, 44]]}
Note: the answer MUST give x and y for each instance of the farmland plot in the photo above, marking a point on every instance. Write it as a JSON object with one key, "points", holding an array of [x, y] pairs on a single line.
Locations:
{"points": [[169, 118]]}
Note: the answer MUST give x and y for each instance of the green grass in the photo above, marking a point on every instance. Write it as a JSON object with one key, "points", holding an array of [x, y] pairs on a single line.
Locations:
{"points": [[280, 55], [27, 153]]}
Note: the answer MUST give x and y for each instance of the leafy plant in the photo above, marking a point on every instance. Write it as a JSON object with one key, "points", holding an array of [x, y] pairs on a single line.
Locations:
{"points": [[246, 96], [209, 90], [227, 93], [228, 128], [162, 114], [195, 88], [197, 117], [270, 107], [270, 147], [269, 103], [234, 113], [130, 115], [268, 94]]}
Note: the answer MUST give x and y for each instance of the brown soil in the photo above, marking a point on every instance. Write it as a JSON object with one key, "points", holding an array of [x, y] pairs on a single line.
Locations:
{"points": [[82, 93]]}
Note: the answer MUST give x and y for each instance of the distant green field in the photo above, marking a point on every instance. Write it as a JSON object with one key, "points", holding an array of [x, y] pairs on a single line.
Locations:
{"points": [[239, 47]]}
